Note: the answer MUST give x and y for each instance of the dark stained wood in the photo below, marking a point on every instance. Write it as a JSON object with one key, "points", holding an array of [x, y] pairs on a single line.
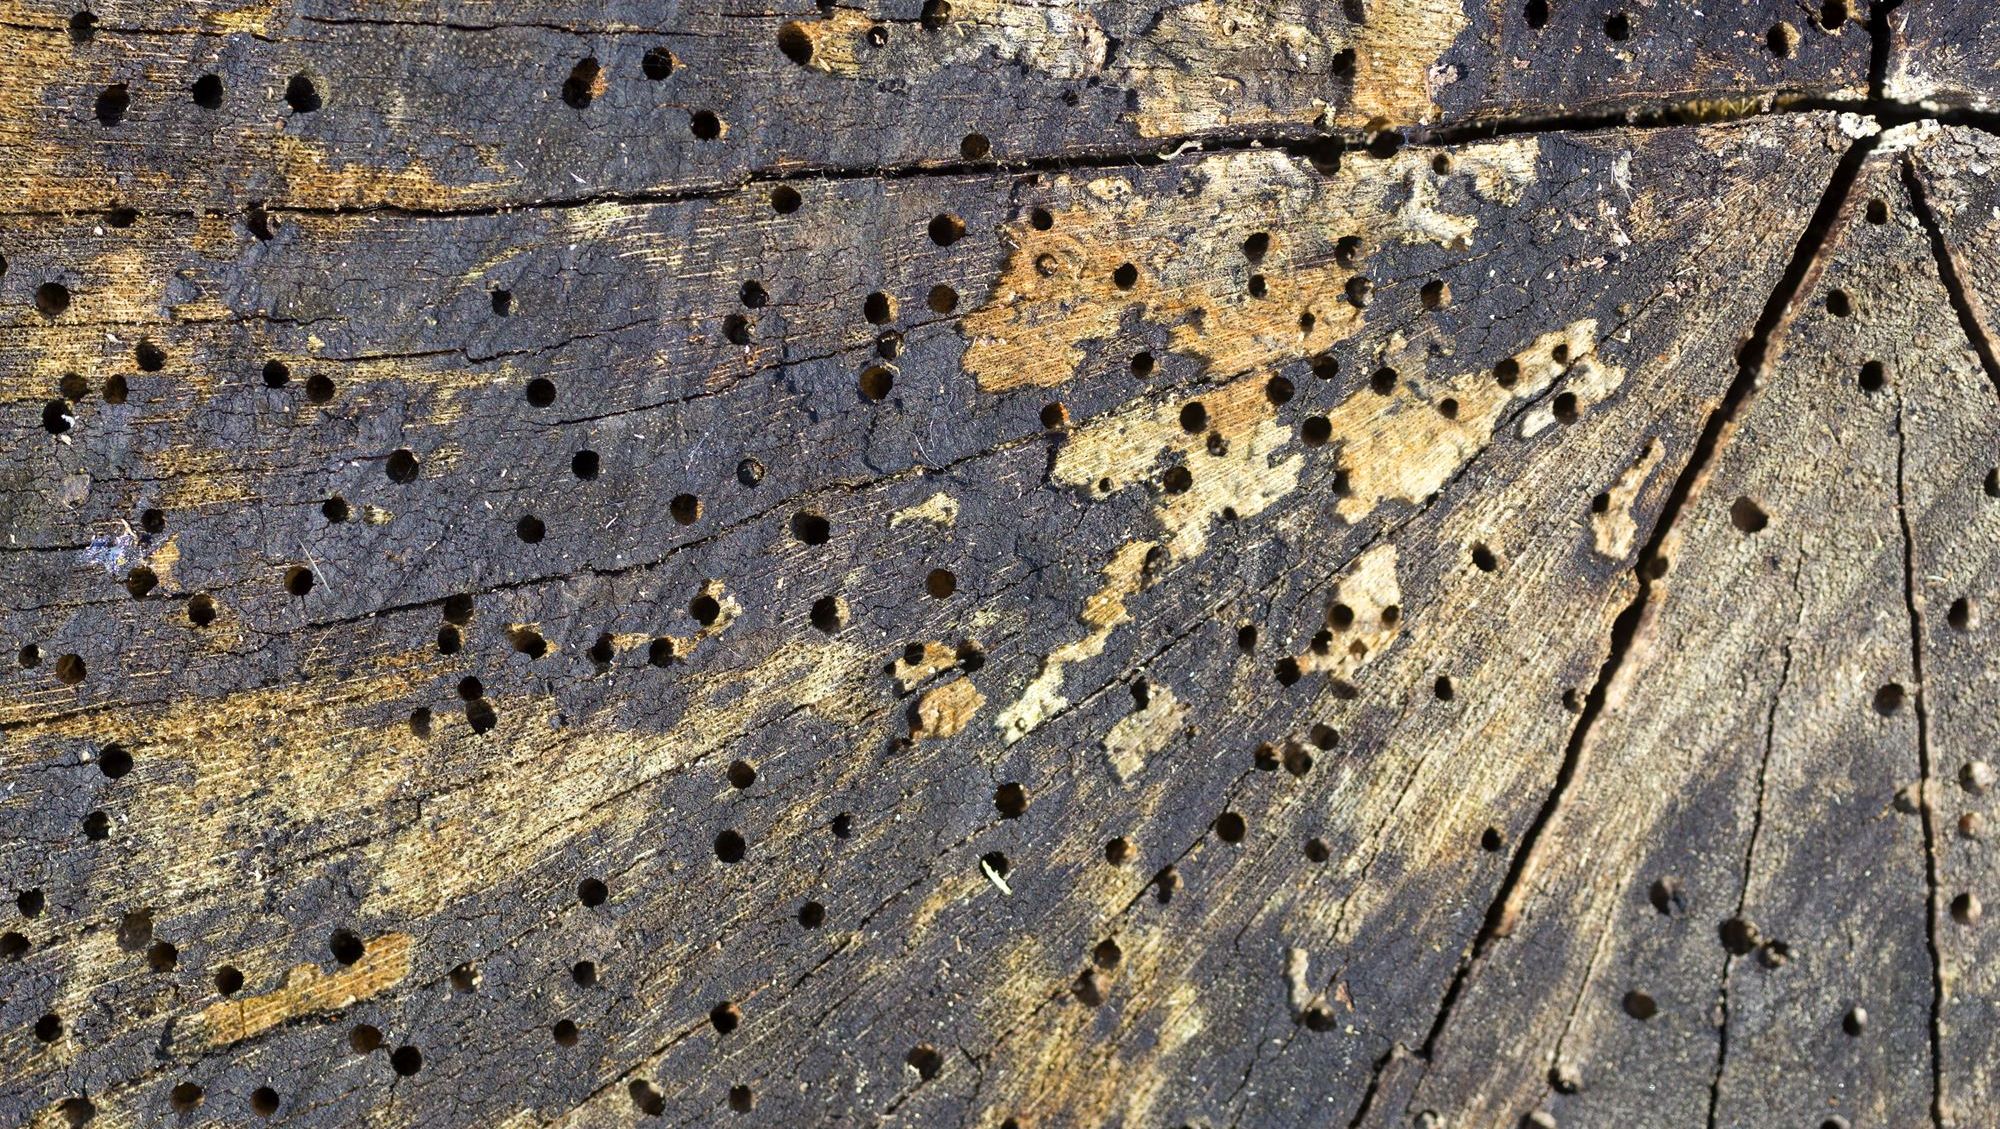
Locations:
{"points": [[1229, 601], [1944, 56]]}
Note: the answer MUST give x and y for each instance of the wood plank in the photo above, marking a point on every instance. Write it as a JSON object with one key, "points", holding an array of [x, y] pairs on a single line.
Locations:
{"points": [[457, 105], [896, 905]]}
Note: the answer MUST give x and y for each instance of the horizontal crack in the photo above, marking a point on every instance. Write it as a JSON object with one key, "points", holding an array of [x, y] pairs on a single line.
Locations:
{"points": [[1317, 143]]}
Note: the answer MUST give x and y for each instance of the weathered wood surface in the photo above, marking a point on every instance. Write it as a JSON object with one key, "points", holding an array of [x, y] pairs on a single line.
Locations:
{"points": [[1956, 561], [1944, 56], [462, 104], [545, 619], [1738, 872]]}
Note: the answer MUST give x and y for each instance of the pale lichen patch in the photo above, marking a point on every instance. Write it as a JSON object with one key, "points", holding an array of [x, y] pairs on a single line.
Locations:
{"points": [[1225, 465], [939, 509], [1407, 445], [1102, 613], [1298, 990], [946, 710], [1138, 735], [1215, 64], [1588, 382], [1364, 616], [1062, 41], [307, 990], [1612, 523], [1174, 260]]}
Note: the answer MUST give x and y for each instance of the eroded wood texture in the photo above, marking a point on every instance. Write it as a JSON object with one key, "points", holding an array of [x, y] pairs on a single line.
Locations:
{"points": [[1944, 55], [468, 103], [1954, 555], [1727, 922], [524, 616]]}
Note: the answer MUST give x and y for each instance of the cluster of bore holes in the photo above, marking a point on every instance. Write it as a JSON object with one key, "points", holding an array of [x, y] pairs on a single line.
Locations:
{"points": [[586, 81], [479, 712], [1229, 826], [302, 94], [113, 102], [135, 935], [59, 416], [1340, 618], [366, 1039], [796, 43], [279, 375], [878, 308], [1781, 40], [1295, 757]]}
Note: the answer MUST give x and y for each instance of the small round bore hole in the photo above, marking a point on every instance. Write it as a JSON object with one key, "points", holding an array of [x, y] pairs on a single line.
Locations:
{"points": [[940, 583], [112, 102], [946, 229], [729, 846], [926, 1060], [876, 382], [810, 528], [302, 95], [347, 947], [264, 1101], [828, 614], [401, 466], [581, 87], [1747, 516], [1010, 800], [51, 298]]}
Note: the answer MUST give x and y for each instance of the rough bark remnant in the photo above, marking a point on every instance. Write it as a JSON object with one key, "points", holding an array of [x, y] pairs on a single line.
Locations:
{"points": [[1389, 562]]}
